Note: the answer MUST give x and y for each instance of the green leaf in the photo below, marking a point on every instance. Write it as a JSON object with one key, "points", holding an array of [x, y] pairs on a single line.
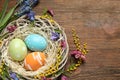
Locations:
{"points": [[7, 17], [60, 71], [2, 14], [44, 11], [58, 31], [72, 65], [2, 77], [2, 27]]}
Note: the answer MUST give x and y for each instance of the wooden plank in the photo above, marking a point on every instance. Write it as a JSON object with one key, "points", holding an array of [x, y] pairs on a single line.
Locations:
{"points": [[97, 23]]}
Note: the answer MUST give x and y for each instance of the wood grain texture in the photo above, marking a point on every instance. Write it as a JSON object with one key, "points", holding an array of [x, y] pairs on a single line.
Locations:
{"points": [[97, 22]]}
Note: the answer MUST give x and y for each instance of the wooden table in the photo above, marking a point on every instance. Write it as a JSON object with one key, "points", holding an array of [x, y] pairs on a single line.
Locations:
{"points": [[97, 22]]}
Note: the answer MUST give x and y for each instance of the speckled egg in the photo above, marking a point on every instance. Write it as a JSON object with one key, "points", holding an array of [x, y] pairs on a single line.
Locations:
{"points": [[36, 42], [17, 49], [34, 60]]}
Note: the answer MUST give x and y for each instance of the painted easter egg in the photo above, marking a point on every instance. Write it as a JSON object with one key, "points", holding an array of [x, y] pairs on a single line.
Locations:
{"points": [[17, 49], [34, 60], [36, 42]]}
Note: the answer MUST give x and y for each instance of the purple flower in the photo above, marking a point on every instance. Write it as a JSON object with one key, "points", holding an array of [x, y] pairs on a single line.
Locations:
{"points": [[50, 11], [26, 6], [11, 28], [64, 78], [26, 3], [23, 10], [31, 3], [31, 16], [13, 76], [55, 36]]}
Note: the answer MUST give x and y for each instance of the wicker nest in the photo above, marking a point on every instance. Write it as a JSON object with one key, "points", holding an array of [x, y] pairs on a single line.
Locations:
{"points": [[56, 55]]}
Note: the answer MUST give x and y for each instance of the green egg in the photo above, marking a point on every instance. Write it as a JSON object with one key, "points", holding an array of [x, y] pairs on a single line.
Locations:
{"points": [[17, 49]]}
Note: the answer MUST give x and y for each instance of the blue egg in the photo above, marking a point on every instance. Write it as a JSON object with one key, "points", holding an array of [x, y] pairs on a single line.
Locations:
{"points": [[36, 42]]}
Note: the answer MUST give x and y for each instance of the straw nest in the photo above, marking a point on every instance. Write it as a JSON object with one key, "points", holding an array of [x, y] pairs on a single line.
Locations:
{"points": [[56, 55]]}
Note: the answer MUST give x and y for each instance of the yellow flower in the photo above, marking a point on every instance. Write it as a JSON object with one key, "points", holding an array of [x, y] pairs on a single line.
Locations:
{"points": [[46, 74], [54, 71], [84, 51], [42, 74], [76, 65], [2, 63], [0, 43], [51, 20], [59, 60], [35, 77], [1, 66], [0, 70], [58, 57], [68, 70], [78, 49], [71, 69], [75, 68]]}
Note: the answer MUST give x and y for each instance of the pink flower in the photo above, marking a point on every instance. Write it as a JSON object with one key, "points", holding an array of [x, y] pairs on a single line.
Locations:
{"points": [[51, 12], [45, 78], [63, 44], [64, 78], [11, 28], [78, 55], [75, 52], [83, 58]]}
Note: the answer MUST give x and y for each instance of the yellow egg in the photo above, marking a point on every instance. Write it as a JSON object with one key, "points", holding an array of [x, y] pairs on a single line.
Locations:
{"points": [[34, 60]]}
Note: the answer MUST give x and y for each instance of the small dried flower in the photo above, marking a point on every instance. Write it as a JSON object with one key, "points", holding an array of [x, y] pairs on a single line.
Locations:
{"points": [[26, 6], [78, 55], [11, 28], [31, 3], [64, 78], [50, 12], [13, 76], [23, 10], [63, 44], [55, 36], [75, 52], [31, 16], [45, 78], [83, 58], [26, 3]]}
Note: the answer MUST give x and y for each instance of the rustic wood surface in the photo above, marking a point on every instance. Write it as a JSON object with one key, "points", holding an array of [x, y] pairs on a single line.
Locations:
{"points": [[97, 22]]}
